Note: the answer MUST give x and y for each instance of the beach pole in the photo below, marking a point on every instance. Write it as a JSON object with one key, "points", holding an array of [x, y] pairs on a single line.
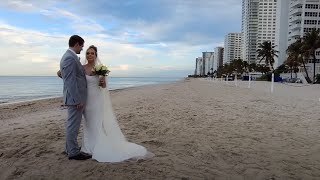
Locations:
{"points": [[249, 85], [236, 81], [272, 82]]}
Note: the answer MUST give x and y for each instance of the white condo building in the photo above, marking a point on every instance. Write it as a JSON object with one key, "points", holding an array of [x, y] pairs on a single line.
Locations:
{"points": [[281, 37], [249, 29], [294, 19], [199, 64], [266, 21], [208, 58], [258, 25], [232, 47], [267, 10], [304, 15]]}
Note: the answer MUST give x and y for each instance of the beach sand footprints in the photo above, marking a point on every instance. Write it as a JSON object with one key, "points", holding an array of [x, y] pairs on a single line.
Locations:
{"points": [[153, 142], [16, 152]]}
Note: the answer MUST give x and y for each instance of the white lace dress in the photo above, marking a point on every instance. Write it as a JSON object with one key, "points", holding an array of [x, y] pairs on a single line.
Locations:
{"points": [[102, 136]]}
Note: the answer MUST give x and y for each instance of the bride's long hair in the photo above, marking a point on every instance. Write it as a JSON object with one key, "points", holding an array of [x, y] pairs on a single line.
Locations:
{"points": [[97, 60]]}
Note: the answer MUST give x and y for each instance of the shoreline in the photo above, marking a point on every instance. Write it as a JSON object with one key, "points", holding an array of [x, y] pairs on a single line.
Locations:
{"points": [[55, 97], [197, 130]]}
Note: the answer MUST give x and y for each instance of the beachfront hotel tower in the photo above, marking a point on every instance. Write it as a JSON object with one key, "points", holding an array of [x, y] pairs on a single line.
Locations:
{"points": [[204, 64], [281, 37], [199, 67], [294, 19], [258, 25], [207, 58], [304, 15], [249, 29], [232, 47], [218, 58]]}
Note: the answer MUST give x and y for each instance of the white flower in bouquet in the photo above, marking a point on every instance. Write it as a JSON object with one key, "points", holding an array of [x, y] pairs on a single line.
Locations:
{"points": [[101, 70]]}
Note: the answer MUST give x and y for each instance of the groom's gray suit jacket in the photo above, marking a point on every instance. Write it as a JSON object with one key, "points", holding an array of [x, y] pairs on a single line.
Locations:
{"points": [[74, 79]]}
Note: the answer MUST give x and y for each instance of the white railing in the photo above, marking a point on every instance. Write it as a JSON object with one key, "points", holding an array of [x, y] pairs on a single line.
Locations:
{"points": [[296, 26], [296, 11]]}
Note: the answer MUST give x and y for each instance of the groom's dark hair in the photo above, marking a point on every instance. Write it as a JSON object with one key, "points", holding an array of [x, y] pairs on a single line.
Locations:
{"points": [[74, 40]]}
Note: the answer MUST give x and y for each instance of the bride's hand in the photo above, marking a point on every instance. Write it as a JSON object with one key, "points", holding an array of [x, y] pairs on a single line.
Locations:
{"points": [[102, 81]]}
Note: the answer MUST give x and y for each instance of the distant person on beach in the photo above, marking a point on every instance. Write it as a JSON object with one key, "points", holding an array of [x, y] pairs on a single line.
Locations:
{"points": [[74, 95], [102, 136]]}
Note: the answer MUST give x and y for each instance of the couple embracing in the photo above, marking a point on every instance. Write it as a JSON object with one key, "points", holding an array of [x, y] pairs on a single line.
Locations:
{"points": [[86, 94]]}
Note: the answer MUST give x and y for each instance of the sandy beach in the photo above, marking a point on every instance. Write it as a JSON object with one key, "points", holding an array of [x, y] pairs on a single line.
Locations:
{"points": [[197, 129]]}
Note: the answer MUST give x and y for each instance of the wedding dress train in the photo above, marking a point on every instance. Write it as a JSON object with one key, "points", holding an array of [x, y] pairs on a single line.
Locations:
{"points": [[102, 136]]}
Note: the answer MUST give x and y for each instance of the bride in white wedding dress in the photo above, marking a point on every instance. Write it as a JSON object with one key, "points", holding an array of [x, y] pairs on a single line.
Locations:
{"points": [[102, 136]]}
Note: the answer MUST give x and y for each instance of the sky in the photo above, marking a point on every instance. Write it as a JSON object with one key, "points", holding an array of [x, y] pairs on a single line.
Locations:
{"points": [[135, 38]]}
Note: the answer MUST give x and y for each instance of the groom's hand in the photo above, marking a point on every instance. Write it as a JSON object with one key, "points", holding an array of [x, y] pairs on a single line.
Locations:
{"points": [[59, 74], [80, 106]]}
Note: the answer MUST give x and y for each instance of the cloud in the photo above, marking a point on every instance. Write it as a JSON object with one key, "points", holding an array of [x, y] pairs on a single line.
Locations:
{"points": [[131, 36], [27, 48], [121, 67], [192, 22], [32, 47], [20, 6], [149, 22]]}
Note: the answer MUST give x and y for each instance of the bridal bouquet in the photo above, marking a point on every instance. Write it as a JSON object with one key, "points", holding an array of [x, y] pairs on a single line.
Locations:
{"points": [[101, 70]]}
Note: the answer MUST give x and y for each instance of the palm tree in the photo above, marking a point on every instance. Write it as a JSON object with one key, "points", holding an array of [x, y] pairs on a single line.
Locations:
{"points": [[293, 62], [252, 67], [262, 68], [238, 66], [228, 69], [266, 51], [311, 42], [295, 50], [219, 71], [246, 66]]}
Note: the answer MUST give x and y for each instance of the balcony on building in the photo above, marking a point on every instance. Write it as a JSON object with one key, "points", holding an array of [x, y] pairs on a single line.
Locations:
{"points": [[294, 19], [296, 3], [295, 34], [296, 26], [296, 11]]}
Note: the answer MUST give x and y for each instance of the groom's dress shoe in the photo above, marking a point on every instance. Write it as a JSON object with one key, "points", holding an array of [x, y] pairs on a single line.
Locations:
{"points": [[80, 156], [87, 154]]}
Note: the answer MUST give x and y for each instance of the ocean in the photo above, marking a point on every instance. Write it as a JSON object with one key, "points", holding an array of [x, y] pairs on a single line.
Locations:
{"points": [[25, 88]]}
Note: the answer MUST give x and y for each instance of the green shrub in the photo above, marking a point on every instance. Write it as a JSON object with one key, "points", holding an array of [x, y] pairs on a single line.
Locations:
{"points": [[264, 77], [318, 78]]}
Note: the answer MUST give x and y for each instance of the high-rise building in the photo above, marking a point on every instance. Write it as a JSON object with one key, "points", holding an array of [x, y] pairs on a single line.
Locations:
{"points": [[267, 10], [232, 47], [249, 29], [207, 58], [281, 36], [199, 68], [258, 25], [218, 58], [304, 15], [266, 21]]}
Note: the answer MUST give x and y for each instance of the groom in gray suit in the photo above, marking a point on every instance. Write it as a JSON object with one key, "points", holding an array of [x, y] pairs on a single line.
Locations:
{"points": [[74, 95]]}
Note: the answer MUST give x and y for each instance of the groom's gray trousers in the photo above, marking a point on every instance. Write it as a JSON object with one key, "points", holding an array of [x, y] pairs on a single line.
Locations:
{"points": [[72, 126]]}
